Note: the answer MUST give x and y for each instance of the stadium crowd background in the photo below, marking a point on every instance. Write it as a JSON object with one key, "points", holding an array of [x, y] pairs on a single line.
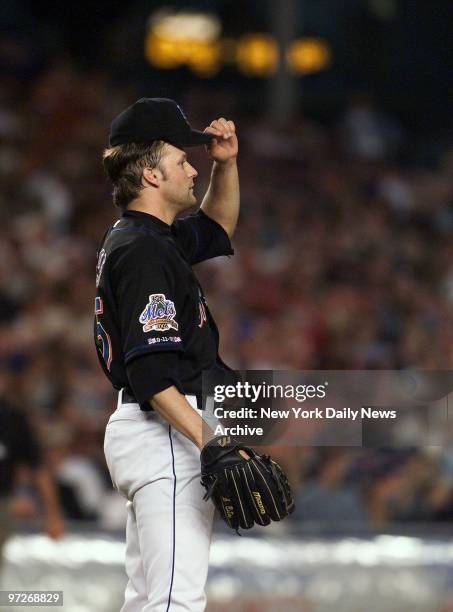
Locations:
{"points": [[343, 261]]}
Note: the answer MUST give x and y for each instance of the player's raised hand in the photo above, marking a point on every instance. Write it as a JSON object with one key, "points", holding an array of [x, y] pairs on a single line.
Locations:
{"points": [[224, 147]]}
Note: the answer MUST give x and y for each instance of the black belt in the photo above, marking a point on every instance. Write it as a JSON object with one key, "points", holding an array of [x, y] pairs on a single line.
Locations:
{"points": [[129, 398]]}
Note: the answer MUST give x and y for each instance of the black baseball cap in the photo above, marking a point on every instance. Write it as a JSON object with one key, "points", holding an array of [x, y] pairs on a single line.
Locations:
{"points": [[151, 119]]}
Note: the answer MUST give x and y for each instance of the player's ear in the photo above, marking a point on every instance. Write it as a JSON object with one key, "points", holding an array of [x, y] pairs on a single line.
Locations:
{"points": [[151, 176]]}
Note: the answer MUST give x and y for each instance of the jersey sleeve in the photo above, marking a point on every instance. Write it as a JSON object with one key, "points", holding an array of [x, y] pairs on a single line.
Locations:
{"points": [[146, 300], [201, 237], [153, 373]]}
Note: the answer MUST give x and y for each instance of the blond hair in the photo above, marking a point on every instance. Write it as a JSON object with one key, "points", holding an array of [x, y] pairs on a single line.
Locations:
{"points": [[124, 165]]}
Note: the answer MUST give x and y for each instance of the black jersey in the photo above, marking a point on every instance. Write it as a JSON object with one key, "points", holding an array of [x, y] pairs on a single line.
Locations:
{"points": [[148, 299]]}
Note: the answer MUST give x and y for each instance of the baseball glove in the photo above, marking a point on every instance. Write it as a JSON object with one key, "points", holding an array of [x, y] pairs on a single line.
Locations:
{"points": [[245, 492]]}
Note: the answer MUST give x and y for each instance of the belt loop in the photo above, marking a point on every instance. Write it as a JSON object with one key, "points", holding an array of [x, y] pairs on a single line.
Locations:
{"points": [[209, 404], [120, 397]]}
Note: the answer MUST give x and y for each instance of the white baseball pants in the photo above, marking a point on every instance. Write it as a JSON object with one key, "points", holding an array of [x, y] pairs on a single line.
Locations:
{"points": [[169, 526]]}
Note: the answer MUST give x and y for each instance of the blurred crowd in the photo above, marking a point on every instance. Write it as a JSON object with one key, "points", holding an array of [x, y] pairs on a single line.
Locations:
{"points": [[343, 260]]}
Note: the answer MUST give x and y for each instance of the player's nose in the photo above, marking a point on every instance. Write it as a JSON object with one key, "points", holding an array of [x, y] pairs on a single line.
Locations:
{"points": [[192, 173]]}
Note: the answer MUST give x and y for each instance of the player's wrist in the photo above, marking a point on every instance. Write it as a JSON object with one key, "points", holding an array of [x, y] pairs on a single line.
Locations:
{"points": [[226, 163]]}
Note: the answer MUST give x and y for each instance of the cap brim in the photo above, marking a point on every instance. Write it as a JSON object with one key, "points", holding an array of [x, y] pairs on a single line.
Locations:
{"points": [[191, 139]]}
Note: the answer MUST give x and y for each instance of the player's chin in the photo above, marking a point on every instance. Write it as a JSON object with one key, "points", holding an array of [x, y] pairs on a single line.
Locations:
{"points": [[187, 202]]}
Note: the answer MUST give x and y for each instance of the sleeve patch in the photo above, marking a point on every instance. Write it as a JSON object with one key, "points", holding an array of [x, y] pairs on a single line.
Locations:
{"points": [[158, 314], [100, 266], [165, 340]]}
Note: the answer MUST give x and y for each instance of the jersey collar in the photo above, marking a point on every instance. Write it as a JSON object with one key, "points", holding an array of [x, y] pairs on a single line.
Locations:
{"points": [[148, 220]]}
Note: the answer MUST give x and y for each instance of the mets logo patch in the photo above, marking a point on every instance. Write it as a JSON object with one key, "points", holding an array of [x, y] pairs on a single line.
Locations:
{"points": [[158, 314]]}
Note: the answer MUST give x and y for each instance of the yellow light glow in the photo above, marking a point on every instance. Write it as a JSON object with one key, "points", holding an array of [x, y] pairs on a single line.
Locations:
{"points": [[193, 25], [257, 55], [204, 59], [191, 39], [163, 52], [308, 55]]}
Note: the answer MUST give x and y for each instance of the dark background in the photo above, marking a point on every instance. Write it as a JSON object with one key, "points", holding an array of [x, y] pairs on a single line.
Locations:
{"points": [[400, 50]]}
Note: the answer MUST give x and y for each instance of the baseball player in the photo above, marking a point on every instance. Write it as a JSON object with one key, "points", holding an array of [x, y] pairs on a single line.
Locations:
{"points": [[155, 336]]}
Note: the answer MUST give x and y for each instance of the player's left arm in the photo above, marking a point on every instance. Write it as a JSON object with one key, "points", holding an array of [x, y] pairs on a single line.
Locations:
{"points": [[221, 201]]}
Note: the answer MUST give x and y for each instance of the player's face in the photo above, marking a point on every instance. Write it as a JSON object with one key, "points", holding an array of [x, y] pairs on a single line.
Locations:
{"points": [[179, 178]]}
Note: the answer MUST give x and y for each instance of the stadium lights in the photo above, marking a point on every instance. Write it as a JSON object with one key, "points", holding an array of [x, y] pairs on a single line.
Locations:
{"points": [[202, 57], [192, 39], [184, 38], [202, 27], [308, 55], [257, 55]]}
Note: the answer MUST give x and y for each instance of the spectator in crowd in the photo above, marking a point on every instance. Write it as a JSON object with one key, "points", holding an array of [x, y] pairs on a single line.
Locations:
{"points": [[21, 465], [326, 501]]}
